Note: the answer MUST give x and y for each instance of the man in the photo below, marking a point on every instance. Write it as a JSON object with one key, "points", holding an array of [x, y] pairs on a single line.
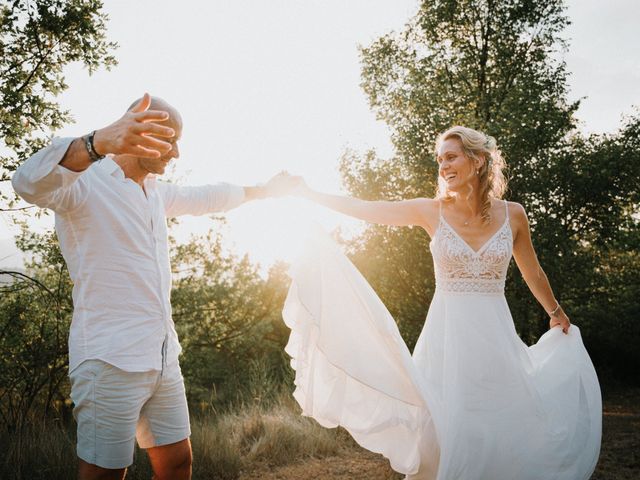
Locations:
{"points": [[111, 224]]}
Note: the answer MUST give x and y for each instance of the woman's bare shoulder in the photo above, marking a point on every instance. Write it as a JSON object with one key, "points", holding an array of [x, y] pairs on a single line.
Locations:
{"points": [[429, 202], [430, 211], [518, 219], [516, 212]]}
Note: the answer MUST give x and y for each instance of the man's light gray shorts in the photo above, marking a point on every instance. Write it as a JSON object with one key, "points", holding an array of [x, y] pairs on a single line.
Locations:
{"points": [[113, 408]]}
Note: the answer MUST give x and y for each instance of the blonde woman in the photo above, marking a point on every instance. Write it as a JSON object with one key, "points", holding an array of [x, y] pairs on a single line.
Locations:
{"points": [[473, 402]]}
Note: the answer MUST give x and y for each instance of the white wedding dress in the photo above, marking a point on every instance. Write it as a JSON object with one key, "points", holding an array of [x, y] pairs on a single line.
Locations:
{"points": [[474, 402]]}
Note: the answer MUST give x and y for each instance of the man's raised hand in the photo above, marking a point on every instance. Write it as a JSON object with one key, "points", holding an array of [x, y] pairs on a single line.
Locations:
{"points": [[131, 134]]}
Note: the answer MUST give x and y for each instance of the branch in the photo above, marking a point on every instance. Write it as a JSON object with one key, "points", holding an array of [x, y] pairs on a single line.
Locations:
{"points": [[27, 277], [16, 209], [35, 69], [512, 72]]}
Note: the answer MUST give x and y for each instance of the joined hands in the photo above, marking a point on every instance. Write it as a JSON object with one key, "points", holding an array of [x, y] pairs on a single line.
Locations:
{"points": [[285, 184]]}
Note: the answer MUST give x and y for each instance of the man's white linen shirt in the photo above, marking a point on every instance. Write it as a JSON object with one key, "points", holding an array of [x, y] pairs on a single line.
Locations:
{"points": [[114, 240]]}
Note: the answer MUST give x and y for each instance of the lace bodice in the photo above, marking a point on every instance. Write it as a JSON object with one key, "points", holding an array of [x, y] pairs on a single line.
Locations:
{"points": [[460, 269]]}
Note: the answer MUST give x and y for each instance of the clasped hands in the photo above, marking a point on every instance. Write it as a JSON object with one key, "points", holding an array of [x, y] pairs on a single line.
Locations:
{"points": [[285, 184]]}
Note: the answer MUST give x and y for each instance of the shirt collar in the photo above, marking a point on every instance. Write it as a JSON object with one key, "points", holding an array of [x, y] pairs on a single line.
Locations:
{"points": [[110, 167]]}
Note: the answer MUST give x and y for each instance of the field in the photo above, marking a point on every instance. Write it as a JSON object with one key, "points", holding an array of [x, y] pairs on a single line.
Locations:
{"points": [[252, 443], [619, 458]]}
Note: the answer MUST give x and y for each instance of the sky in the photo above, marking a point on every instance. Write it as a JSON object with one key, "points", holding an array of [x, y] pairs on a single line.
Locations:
{"points": [[265, 86]]}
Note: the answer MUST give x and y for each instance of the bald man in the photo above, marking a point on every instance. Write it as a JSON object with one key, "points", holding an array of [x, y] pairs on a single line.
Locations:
{"points": [[110, 218]]}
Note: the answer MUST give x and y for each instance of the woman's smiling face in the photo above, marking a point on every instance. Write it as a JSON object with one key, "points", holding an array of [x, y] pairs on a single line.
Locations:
{"points": [[454, 167]]}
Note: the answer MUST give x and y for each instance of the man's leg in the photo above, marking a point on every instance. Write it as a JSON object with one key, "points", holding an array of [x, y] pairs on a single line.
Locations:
{"points": [[163, 429], [87, 471], [171, 462], [107, 409]]}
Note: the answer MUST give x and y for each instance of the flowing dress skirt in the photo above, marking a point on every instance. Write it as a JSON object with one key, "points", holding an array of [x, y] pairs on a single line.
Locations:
{"points": [[474, 402]]}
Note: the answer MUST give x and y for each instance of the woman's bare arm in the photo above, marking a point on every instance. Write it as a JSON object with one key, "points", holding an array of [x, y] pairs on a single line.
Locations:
{"points": [[399, 213], [527, 261]]}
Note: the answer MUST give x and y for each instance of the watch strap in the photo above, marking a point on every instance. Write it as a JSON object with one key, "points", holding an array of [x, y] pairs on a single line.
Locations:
{"points": [[91, 150]]}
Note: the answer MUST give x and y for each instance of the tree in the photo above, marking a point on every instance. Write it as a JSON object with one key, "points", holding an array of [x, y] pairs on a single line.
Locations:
{"points": [[495, 65], [228, 320], [486, 64], [227, 317], [35, 314], [38, 38]]}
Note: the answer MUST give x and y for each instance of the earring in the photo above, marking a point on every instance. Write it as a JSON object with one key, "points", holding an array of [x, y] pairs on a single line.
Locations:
{"points": [[477, 172]]}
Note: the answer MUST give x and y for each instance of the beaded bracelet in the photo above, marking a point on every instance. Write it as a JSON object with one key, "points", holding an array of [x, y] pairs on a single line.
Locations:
{"points": [[555, 311]]}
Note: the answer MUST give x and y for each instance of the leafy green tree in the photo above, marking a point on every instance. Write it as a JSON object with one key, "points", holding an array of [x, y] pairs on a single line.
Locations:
{"points": [[495, 65], [35, 314], [227, 316], [38, 39], [228, 320], [485, 64]]}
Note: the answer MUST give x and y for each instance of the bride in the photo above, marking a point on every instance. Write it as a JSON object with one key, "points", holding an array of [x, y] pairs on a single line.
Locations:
{"points": [[473, 402]]}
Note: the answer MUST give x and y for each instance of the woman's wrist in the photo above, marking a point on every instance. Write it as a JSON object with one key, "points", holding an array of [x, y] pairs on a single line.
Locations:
{"points": [[554, 312]]}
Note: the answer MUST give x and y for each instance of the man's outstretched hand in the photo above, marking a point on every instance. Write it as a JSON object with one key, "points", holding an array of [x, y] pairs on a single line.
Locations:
{"points": [[130, 135]]}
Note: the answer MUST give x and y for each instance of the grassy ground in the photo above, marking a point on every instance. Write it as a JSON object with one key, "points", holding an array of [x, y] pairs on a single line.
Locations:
{"points": [[620, 454], [253, 443], [619, 457], [357, 464]]}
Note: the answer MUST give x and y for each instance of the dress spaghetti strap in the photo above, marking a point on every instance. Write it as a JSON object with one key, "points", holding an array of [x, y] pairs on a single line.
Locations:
{"points": [[506, 211], [440, 219]]}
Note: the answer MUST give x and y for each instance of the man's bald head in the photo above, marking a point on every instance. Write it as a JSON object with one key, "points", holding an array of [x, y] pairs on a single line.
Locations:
{"points": [[157, 103], [157, 165]]}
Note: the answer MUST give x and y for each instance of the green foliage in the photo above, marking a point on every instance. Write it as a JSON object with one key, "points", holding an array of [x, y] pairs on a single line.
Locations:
{"points": [[38, 38], [395, 263], [227, 317], [228, 320], [484, 64], [35, 314], [495, 66]]}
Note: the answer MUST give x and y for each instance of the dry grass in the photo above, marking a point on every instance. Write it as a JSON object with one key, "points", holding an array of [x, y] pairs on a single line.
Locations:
{"points": [[40, 452], [230, 443], [256, 443], [223, 445]]}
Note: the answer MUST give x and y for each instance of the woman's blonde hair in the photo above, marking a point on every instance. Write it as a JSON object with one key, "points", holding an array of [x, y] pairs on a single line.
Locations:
{"points": [[476, 145]]}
